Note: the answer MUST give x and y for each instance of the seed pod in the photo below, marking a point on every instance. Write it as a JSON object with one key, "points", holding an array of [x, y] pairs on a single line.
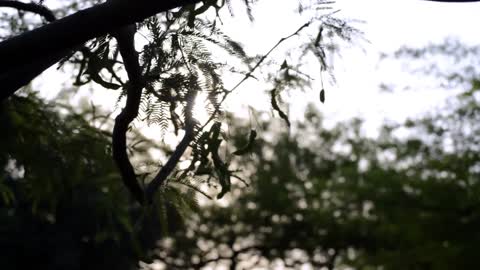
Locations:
{"points": [[247, 148]]}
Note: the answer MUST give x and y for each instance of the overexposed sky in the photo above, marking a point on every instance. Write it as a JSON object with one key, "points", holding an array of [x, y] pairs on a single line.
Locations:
{"points": [[388, 25]]}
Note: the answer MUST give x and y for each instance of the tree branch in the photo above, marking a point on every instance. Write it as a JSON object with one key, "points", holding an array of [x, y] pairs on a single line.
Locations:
{"points": [[67, 33], [125, 38], [255, 67], [30, 7], [36, 47], [126, 43], [179, 150], [15, 78], [20, 76]]}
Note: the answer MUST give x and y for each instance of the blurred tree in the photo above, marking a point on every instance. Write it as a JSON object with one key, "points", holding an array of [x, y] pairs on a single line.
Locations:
{"points": [[331, 199], [334, 198], [325, 198]]}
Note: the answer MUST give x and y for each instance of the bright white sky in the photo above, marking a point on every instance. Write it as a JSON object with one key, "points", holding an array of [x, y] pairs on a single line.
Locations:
{"points": [[388, 24]]}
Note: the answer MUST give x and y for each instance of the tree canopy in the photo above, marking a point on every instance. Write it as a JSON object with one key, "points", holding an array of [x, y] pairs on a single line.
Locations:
{"points": [[159, 84], [165, 76], [80, 190]]}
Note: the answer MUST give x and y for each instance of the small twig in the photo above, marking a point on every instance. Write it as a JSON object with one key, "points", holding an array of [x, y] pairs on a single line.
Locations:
{"points": [[194, 188], [249, 74], [241, 180], [30, 7], [264, 57]]}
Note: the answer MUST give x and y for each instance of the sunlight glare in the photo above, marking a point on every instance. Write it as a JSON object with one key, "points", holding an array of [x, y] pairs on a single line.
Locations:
{"points": [[200, 108]]}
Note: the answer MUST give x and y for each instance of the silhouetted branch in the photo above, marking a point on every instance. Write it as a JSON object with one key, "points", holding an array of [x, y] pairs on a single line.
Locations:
{"points": [[43, 45], [126, 43], [249, 74], [15, 78]]}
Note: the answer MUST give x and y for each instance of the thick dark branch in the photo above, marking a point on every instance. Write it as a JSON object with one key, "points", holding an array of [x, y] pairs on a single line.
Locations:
{"points": [[78, 28], [126, 43], [30, 7], [17, 77], [67, 33], [20, 76], [179, 150]]}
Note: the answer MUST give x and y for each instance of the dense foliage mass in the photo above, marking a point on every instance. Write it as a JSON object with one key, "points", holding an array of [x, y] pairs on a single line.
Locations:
{"points": [[62, 203], [335, 198], [321, 197]]}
